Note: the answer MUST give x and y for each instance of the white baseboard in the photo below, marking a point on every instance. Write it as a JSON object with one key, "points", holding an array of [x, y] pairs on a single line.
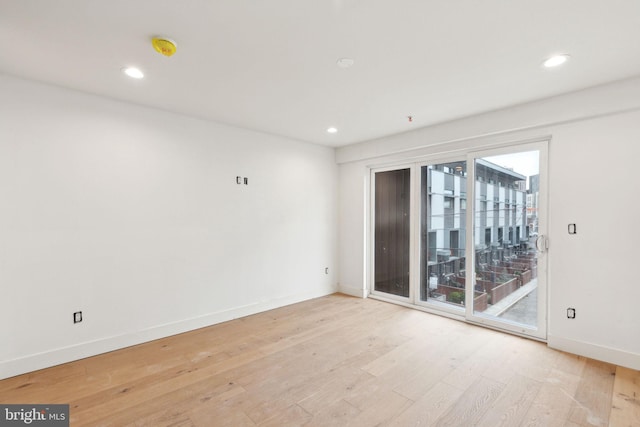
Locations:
{"points": [[605, 354], [352, 290], [34, 362]]}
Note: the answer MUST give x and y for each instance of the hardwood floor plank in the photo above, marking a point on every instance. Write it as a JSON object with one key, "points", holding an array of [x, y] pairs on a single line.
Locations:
{"points": [[625, 408], [521, 357], [340, 384], [294, 415], [594, 394], [213, 415], [415, 386], [511, 406], [443, 360], [432, 405], [472, 404], [381, 409], [554, 401], [336, 413]]}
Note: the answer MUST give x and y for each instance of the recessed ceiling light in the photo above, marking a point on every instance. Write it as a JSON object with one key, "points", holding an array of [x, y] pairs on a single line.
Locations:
{"points": [[345, 62], [133, 72], [556, 60], [332, 130]]}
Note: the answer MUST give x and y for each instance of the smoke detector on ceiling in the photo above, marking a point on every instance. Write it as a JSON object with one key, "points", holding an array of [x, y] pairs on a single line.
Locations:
{"points": [[164, 46]]}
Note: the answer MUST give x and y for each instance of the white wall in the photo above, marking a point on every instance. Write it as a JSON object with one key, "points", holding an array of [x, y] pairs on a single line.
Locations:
{"points": [[595, 145], [133, 216], [354, 197], [595, 271]]}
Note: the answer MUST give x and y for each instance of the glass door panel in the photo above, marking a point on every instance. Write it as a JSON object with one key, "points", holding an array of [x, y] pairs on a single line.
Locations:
{"points": [[443, 194], [506, 223], [392, 205]]}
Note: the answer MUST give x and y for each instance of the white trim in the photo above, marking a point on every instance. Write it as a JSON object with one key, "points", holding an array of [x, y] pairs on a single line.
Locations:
{"points": [[33, 362], [593, 351]]}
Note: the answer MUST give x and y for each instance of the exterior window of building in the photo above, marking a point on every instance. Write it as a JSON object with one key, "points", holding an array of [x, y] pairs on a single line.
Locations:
{"points": [[448, 202]]}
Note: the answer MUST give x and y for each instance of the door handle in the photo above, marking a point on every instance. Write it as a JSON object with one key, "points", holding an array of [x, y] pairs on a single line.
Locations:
{"points": [[542, 243]]}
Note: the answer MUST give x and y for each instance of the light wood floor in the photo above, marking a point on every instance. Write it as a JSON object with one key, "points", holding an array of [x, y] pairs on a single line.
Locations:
{"points": [[339, 361]]}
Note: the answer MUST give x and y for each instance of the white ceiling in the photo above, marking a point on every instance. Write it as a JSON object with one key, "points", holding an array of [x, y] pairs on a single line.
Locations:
{"points": [[270, 65]]}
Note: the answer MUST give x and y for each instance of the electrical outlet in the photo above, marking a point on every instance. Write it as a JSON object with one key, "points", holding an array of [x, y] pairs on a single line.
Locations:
{"points": [[571, 313], [77, 317]]}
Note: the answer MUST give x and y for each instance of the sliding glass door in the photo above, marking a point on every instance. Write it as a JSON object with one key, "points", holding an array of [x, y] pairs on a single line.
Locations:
{"points": [[465, 235], [508, 239]]}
